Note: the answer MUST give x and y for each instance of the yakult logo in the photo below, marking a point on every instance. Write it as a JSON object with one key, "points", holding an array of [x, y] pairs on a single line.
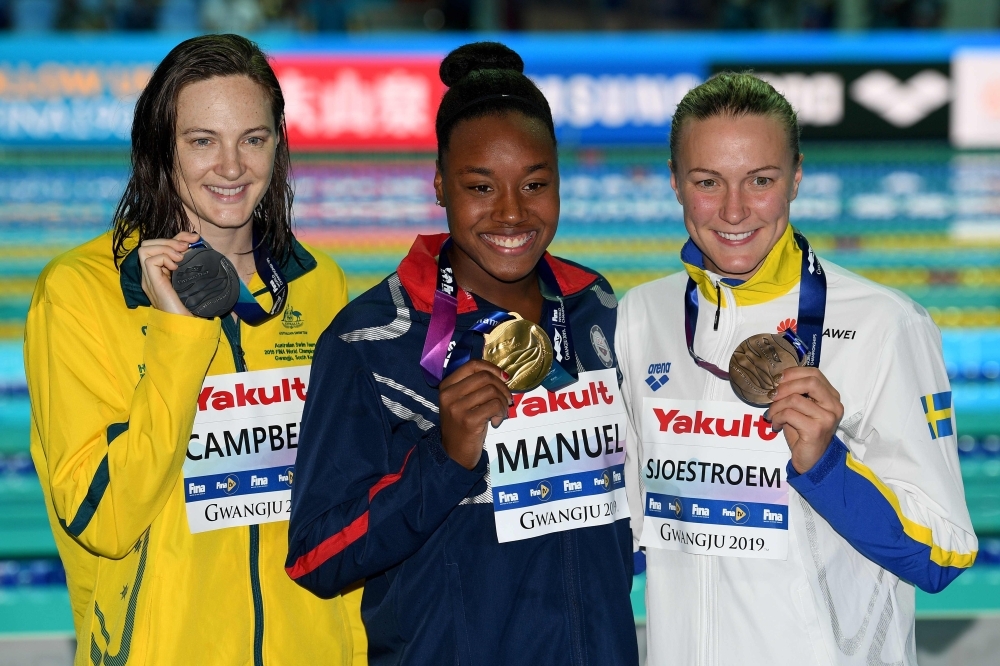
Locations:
{"points": [[241, 396], [592, 395], [702, 424]]}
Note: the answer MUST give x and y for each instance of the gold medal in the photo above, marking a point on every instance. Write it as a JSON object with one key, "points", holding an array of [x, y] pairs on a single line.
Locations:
{"points": [[522, 350], [755, 363]]}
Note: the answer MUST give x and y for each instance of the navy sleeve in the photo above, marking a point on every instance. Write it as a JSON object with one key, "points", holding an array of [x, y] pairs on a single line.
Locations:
{"points": [[863, 510], [367, 492]]}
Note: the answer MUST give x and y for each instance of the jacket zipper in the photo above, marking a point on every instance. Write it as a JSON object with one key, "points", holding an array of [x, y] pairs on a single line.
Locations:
{"points": [[231, 328], [574, 596]]}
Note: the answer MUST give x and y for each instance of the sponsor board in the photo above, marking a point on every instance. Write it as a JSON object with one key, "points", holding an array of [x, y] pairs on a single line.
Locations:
{"points": [[618, 105], [240, 462], [69, 102], [862, 101], [975, 115], [557, 462], [383, 93], [345, 102], [715, 480]]}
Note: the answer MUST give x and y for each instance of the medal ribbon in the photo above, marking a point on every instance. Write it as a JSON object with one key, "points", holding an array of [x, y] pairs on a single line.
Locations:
{"points": [[442, 355], [247, 308], [807, 339]]}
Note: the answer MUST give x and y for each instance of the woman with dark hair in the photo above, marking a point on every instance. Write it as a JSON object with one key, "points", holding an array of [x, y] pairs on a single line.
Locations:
{"points": [[167, 364], [463, 441]]}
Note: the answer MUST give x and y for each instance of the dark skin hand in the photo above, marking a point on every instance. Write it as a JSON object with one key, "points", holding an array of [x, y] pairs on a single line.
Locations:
{"points": [[499, 183]]}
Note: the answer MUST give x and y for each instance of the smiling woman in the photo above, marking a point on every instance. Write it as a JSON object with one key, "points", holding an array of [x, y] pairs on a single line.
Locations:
{"points": [[868, 502], [486, 532], [153, 529]]}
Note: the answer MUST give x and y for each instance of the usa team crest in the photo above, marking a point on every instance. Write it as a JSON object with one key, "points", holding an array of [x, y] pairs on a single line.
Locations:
{"points": [[601, 346]]}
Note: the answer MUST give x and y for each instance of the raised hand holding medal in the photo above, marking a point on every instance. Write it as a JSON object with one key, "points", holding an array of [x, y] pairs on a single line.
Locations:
{"points": [[780, 370]]}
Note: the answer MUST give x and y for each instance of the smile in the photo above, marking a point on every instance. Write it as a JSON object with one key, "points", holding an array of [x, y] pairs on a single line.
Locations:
{"points": [[509, 242], [736, 237], [226, 191]]}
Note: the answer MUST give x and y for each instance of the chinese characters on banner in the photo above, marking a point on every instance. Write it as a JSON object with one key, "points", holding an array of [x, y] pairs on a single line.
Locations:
{"points": [[344, 103]]}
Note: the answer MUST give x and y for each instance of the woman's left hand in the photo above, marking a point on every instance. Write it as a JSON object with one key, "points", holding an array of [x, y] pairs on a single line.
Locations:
{"points": [[808, 410]]}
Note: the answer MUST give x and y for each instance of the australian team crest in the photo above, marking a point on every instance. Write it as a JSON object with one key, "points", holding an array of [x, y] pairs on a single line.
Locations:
{"points": [[292, 318]]}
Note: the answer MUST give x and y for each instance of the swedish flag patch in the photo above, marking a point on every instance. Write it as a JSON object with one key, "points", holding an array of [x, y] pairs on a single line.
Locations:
{"points": [[937, 410]]}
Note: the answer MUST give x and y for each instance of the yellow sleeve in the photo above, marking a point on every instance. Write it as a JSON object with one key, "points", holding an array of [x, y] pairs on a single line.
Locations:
{"points": [[112, 456]]}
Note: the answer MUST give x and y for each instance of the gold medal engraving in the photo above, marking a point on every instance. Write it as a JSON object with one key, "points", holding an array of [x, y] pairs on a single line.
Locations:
{"points": [[755, 363], [522, 350]]}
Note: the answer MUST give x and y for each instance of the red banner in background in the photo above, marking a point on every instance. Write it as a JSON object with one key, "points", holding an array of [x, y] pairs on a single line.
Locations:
{"points": [[360, 103]]}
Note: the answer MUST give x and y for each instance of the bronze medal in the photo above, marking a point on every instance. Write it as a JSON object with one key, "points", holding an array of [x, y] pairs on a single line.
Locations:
{"points": [[522, 350], [755, 363]]}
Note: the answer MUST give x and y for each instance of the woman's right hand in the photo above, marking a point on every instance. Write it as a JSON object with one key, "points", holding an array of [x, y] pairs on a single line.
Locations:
{"points": [[471, 398], [159, 258]]}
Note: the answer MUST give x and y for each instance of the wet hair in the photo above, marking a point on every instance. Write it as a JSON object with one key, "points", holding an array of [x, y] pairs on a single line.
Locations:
{"points": [[150, 205], [734, 94], [483, 79]]}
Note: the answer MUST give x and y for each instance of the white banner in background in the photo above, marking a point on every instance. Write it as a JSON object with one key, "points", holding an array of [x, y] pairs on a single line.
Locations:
{"points": [[975, 108]]}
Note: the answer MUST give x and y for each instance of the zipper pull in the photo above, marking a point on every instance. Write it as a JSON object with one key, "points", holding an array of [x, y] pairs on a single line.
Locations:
{"points": [[718, 305]]}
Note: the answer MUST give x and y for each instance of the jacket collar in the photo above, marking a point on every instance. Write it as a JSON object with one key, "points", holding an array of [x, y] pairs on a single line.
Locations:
{"points": [[297, 264], [418, 275], [776, 277]]}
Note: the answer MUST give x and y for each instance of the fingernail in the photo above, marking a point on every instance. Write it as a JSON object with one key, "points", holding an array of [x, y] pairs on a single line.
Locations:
{"points": [[772, 393], [767, 415], [777, 378], [504, 376]]}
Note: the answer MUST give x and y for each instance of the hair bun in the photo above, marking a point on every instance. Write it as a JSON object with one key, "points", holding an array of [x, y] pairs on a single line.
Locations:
{"points": [[478, 56]]}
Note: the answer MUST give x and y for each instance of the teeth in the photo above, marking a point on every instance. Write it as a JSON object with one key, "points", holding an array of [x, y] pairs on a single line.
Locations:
{"points": [[227, 191], [509, 241], [735, 237]]}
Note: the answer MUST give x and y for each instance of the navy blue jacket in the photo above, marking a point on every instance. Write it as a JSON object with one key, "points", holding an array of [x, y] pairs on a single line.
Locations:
{"points": [[376, 497]]}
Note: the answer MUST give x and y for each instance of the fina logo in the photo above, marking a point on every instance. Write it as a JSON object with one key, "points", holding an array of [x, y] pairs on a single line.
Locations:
{"points": [[676, 506], [657, 375], [606, 481], [739, 513], [230, 484], [543, 491], [288, 477]]}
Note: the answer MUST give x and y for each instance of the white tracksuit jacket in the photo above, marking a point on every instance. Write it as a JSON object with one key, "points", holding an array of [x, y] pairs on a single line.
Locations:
{"points": [[882, 511]]}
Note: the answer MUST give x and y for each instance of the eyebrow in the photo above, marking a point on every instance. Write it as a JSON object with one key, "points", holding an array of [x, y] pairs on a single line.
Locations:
{"points": [[483, 171], [202, 130], [769, 167]]}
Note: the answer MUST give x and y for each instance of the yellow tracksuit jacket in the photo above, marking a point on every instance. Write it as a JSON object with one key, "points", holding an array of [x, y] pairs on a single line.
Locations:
{"points": [[114, 386]]}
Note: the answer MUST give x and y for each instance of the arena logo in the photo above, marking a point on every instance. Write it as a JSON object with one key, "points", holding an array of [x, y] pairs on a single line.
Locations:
{"points": [[900, 103]]}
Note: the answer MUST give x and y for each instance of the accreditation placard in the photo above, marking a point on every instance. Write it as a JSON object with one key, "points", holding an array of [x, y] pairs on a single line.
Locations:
{"points": [[557, 463], [715, 480], [240, 462]]}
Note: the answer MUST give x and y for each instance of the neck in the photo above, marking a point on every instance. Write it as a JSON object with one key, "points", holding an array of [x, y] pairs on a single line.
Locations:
{"points": [[236, 244], [522, 296]]}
